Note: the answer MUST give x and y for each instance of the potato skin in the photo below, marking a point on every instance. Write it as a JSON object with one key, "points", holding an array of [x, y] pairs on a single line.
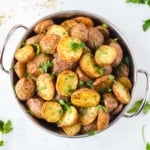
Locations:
{"points": [[126, 82], [49, 43], [103, 120], [88, 66], [20, 69], [121, 92], [65, 50], [91, 127], [67, 82], [122, 71], [105, 55], [25, 54], [33, 65], [52, 111], [103, 30], [85, 97], [35, 106], [45, 87], [34, 39], [43, 26], [25, 88]]}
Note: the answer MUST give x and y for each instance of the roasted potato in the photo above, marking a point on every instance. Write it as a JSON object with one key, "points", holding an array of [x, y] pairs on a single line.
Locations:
{"points": [[103, 120], [33, 66], [118, 60], [25, 54], [20, 69], [85, 20], [43, 26], [122, 70], [49, 43], [121, 92], [68, 24], [69, 118], [88, 115], [107, 70], [45, 87], [69, 49], [88, 66], [34, 39], [85, 97], [72, 130], [80, 32], [67, 82], [102, 84], [95, 38], [105, 55], [126, 82], [110, 101], [118, 109], [57, 30], [52, 111], [103, 30], [91, 127], [25, 88], [35, 106]]}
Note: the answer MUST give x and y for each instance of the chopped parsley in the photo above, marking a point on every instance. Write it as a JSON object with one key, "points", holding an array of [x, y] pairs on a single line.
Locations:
{"points": [[100, 70], [146, 24], [92, 132], [75, 46], [102, 107], [111, 77], [105, 25], [65, 105], [69, 90], [147, 144], [45, 66], [37, 48], [81, 83], [89, 83], [147, 2]]}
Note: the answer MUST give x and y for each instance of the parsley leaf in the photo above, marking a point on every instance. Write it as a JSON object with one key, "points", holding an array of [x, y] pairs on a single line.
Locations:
{"points": [[1, 125], [146, 25], [147, 146], [1, 143], [75, 46], [7, 127], [92, 132], [89, 83], [105, 25], [81, 83], [44, 66], [103, 108], [111, 77], [65, 105], [37, 48], [100, 70]]}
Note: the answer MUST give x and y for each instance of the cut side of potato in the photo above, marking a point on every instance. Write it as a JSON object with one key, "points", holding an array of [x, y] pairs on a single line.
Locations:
{"points": [[69, 118], [126, 82], [105, 55], [25, 54], [67, 82], [88, 115], [85, 97], [121, 92], [45, 87], [57, 30], [70, 49], [88, 66], [34, 39], [103, 120], [72, 130], [52, 111]]}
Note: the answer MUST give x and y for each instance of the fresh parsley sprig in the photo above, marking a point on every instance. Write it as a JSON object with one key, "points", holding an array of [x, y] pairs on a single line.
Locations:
{"points": [[147, 2], [147, 144], [75, 46], [45, 66], [65, 105], [146, 25], [5, 128]]}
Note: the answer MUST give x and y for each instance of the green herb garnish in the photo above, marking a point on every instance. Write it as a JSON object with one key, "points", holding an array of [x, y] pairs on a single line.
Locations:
{"points": [[89, 83], [37, 48], [109, 90], [45, 66], [126, 60], [95, 43], [147, 144], [75, 46], [53, 74], [105, 25], [100, 70], [83, 111], [137, 105], [92, 132], [65, 105], [5, 128], [102, 107], [111, 77], [41, 88], [147, 2], [146, 25], [81, 83]]}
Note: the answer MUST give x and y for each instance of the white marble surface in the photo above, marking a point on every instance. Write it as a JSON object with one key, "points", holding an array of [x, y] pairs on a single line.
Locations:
{"points": [[126, 133]]}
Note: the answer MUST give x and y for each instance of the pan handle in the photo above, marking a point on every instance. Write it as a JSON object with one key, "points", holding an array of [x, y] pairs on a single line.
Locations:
{"points": [[10, 33], [147, 92]]}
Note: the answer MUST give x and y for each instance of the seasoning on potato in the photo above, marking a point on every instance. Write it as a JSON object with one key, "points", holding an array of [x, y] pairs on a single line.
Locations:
{"points": [[72, 76]]}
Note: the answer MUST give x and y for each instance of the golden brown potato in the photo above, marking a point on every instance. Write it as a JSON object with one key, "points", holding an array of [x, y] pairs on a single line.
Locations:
{"points": [[70, 49], [20, 69], [35, 106], [69, 118], [25, 54], [57, 30], [67, 82], [68, 24], [126, 82], [25, 88], [88, 115], [105, 55], [33, 66], [80, 32], [103, 83], [34, 39], [118, 109], [49, 43], [95, 38], [52, 111], [45, 87], [81, 75], [85, 97], [103, 30], [72, 130], [121, 92], [110, 102], [91, 127], [88, 66], [43, 26], [103, 120], [85, 20], [118, 60]]}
